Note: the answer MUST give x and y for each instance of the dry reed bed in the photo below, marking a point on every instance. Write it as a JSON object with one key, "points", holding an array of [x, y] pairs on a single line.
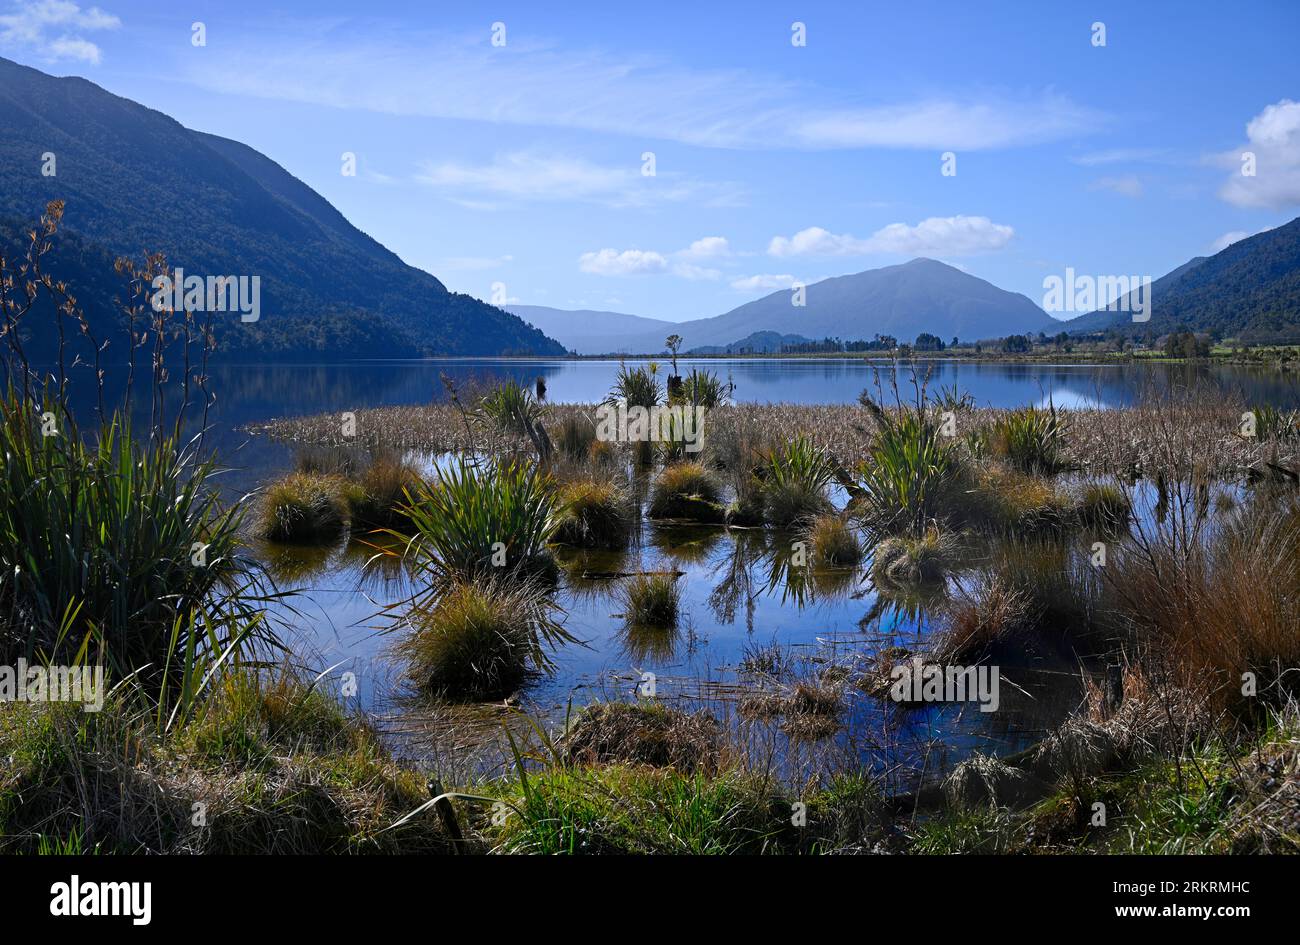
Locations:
{"points": [[1148, 437]]}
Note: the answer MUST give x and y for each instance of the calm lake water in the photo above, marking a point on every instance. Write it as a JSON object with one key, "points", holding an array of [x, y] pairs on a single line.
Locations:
{"points": [[252, 393], [739, 596]]}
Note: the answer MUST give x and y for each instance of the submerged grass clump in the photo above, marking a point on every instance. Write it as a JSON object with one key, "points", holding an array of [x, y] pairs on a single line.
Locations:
{"points": [[903, 561], [647, 732]]}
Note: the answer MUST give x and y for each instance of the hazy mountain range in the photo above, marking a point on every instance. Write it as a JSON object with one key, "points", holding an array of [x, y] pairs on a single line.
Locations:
{"points": [[134, 179], [1250, 290], [903, 301]]}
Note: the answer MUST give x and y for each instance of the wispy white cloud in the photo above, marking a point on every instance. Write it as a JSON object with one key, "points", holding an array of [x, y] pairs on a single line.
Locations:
{"points": [[629, 262], [1127, 185], [1122, 156], [53, 29], [937, 236], [535, 176], [540, 84], [961, 124], [1273, 138], [763, 282]]}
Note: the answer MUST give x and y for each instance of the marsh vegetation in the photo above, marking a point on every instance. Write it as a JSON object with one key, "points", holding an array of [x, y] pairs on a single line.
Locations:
{"points": [[631, 647]]}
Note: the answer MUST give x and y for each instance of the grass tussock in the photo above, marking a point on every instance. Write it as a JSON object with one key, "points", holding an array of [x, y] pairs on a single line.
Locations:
{"points": [[268, 767], [903, 561], [382, 492], [647, 733], [651, 601], [686, 490], [833, 542], [795, 481], [1031, 439], [908, 473], [473, 522], [479, 641], [303, 508], [594, 514], [116, 549]]}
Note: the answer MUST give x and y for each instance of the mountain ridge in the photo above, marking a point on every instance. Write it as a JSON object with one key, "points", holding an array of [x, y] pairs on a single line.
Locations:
{"points": [[134, 179]]}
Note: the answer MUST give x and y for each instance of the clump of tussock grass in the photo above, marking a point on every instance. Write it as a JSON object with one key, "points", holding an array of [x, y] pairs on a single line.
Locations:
{"points": [[833, 542], [381, 492], [650, 601], [593, 514], [638, 386], [1103, 506], [795, 481], [303, 508], [903, 561], [1213, 604], [643, 733], [1031, 439], [1009, 502], [575, 436], [686, 490], [279, 767], [471, 522], [480, 640], [1274, 424]]}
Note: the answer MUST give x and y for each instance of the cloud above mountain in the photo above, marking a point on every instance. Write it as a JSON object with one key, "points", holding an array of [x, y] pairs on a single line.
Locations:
{"points": [[1273, 141], [935, 236], [54, 30]]}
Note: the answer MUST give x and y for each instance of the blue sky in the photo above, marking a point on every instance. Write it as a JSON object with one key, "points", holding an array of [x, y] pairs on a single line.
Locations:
{"points": [[522, 164]]}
